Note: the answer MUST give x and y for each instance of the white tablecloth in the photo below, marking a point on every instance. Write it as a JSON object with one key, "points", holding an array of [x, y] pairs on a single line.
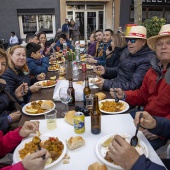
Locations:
{"points": [[82, 157]]}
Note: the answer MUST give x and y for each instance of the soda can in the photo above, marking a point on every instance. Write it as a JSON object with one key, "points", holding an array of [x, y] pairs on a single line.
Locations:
{"points": [[83, 67], [79, 122]]}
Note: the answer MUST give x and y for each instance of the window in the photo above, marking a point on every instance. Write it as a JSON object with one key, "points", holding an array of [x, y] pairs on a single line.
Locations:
{"points": [[33, 20]]}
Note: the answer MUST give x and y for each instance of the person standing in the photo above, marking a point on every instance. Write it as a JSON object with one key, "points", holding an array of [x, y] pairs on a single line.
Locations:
{"points": [[65, 28], [13, 39], [75, 31]]}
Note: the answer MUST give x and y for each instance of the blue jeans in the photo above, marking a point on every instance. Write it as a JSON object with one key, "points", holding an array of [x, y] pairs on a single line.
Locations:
{"points": [[157, 143]]}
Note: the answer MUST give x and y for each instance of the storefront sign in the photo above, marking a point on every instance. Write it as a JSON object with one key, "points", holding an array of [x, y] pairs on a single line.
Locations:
{"points": [[155, 2]]}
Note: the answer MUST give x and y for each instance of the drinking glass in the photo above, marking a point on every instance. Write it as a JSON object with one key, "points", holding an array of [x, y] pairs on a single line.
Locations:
{"points": [[51, 118], [62, 70], [65, 97], [91, 80]]}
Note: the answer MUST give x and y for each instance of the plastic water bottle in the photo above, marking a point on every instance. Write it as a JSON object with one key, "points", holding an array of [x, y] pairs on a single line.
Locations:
{"points": [[77, 52], [75, 71]]}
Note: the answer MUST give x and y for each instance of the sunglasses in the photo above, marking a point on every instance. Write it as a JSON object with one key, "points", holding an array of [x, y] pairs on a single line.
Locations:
{"points": [[132, 40]]}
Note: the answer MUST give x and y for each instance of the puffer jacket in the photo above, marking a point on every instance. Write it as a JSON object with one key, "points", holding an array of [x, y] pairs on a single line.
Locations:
{"points": [[131, 70], [113, 61], [5, 109], [15, 80], [38, 66], [154, 94]]}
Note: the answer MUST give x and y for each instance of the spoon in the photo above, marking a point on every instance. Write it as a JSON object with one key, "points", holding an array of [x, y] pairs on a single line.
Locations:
{"points": [[116, 98], [134, 140]]}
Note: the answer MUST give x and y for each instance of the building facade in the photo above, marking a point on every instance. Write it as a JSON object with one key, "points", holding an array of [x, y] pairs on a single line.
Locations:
{"points": [[23, 16]]}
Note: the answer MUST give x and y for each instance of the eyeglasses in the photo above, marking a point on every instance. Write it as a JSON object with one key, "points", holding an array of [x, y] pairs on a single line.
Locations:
{"points": [[132, 40]]}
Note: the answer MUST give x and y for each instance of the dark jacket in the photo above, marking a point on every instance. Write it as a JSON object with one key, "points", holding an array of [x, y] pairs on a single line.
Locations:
{"points": [[162, 129], [65, 28], [131, 70], [15, 80], [6, 107], [113, 61], [38, 66]]}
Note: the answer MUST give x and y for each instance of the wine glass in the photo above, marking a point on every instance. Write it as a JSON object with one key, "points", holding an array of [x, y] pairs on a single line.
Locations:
{"points": [[65, 97]]}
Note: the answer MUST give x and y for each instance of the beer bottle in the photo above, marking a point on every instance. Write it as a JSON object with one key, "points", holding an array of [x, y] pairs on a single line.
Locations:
{"points": [[72, 92], [87, 89], [95, 117]]}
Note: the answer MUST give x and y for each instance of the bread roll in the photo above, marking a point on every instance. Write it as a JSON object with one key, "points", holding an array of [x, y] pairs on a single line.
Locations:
{"points": [[97, 166], [101, 96], [69, 116], [75, 142], [47, 105]]}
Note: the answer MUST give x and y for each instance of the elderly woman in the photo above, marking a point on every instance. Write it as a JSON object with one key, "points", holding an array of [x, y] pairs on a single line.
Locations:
{"points": [[8, 114], [18, 73]]}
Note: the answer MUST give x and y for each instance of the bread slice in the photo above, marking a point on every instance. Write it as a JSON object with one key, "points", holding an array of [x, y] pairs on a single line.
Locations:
{"points": [[69, 116], [47, 105], [97, 166], [75, 142], [101, 96]]}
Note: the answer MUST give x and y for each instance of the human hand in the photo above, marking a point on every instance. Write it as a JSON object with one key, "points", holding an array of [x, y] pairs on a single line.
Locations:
{"points": [[52, 58], [147, 121], [28, 128], [149, 135], [99, 70], [100, 82], [53, 44], [15, 116], [91, 60], [89, 56], [34, 161], [122, 152], [36, 87], [119, 92], [41, 76], [21, 90]]}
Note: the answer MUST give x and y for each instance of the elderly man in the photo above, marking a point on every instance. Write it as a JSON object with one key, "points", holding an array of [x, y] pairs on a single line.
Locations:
{"points": [[101, 59], [154, 94], [134, 63]]}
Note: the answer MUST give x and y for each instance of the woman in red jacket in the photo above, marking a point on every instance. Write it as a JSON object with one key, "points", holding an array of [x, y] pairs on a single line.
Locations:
{"points": [[12, 139]]}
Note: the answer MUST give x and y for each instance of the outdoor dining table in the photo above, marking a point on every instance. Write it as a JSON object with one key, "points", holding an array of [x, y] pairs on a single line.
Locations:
{"points": [[47, 93], [82, 157]]}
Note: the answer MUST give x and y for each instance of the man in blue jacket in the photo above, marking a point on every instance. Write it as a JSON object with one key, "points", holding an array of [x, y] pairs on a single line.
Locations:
{"points": [[65, 28], [134, 62], [126, 155]]}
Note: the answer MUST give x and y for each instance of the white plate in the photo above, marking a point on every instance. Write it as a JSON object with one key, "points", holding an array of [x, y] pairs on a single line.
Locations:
{"points": [[101, 150], [16, 157], [124, 110], [37, 114], [44, 87]]}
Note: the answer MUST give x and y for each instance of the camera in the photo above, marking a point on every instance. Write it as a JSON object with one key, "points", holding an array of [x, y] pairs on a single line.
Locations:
{"points": [[110, 48], [82, 109]]}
